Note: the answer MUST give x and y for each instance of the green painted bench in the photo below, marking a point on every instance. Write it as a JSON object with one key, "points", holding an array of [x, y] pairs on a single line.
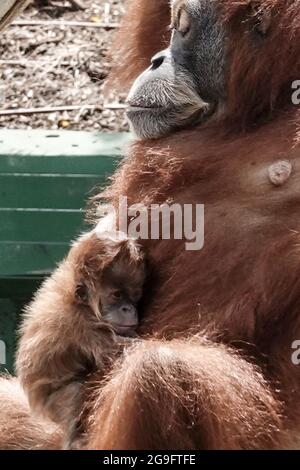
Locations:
{"points": [[45, 181]]}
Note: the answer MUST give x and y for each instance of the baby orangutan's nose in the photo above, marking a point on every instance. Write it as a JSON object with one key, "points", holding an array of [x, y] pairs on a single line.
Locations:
{"points": [[128, 315], [127, 320], [127, 309]]}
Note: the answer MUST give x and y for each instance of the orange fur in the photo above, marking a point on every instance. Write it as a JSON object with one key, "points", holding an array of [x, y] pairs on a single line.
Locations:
{"points": [[213, 369], [19, 428], [261, 74], [242, 288], [63, 340], [185, 395]]}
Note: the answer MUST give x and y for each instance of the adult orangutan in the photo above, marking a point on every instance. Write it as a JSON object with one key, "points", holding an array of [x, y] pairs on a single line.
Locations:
{"points": [[227, 78], [217, 125]]}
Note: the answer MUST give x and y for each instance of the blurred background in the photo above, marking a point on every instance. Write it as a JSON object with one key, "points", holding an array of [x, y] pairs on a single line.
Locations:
{"points": [[53, 61]]}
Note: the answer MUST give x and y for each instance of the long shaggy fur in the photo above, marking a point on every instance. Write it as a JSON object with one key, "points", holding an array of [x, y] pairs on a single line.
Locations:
{"points": [[189, 394], [214, 369], [261, 72], [62, 340], [242, 288], [19, 428]]}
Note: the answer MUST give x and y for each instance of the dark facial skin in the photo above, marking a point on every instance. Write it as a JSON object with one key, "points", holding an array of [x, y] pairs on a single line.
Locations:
{"points": [[113, 298], [119, 307], [185, 84]]}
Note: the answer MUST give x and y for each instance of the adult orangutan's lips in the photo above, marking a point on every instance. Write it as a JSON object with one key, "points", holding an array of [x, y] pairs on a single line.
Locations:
{"points": [[135, 108]]}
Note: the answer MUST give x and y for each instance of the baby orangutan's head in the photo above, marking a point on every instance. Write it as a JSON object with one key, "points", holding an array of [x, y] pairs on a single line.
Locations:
{"points": [[109, 281]]}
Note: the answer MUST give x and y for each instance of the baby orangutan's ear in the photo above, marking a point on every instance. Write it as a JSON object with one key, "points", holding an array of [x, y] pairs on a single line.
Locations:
{"points": [[81, 293]]}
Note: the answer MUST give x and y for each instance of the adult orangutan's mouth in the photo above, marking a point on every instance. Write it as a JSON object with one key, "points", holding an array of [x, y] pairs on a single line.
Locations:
{"points": [[136, 108]]}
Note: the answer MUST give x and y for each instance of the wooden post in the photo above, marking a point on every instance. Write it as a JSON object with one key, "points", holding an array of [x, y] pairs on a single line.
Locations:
{"points": [[9, 9]]}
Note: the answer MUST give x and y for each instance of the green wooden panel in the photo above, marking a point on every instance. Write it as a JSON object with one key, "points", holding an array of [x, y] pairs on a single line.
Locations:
{"points": [[45, 180], [48, 191], [55, 170], [9, 309], [65, 148], [23, 259], [57, 164], [15, 293], [40, 225], [18, 287]]}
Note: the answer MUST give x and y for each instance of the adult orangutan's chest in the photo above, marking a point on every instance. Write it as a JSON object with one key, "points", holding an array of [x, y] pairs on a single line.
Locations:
{"points": [[248, 254]]}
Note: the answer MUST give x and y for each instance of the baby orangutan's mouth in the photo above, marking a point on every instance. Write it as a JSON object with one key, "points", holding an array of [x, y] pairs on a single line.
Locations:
{"points": [[128, 330]]}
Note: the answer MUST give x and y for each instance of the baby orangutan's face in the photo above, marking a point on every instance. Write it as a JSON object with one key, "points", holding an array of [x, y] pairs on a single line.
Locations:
{"points": [[113, 298], [110, 281], [121, 290], [119, 307]]}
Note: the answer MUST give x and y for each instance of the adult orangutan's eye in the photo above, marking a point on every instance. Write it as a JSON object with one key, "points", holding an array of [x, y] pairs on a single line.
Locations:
{"points": [[183, 23]]}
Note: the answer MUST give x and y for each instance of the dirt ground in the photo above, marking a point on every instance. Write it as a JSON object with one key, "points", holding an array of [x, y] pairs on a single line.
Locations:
{"points": [[45, 65]]}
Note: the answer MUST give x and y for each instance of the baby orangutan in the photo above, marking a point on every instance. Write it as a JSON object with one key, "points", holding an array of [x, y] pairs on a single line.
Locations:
{"points": [[73, 326]]}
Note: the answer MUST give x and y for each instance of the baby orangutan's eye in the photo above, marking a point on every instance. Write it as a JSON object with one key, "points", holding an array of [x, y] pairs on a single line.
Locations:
{"points": [[116, 294], [136, 295]]}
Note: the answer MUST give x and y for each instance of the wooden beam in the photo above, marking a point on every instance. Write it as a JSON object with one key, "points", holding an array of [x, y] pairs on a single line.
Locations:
{"points": [[9, 9], [64, 24]]}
